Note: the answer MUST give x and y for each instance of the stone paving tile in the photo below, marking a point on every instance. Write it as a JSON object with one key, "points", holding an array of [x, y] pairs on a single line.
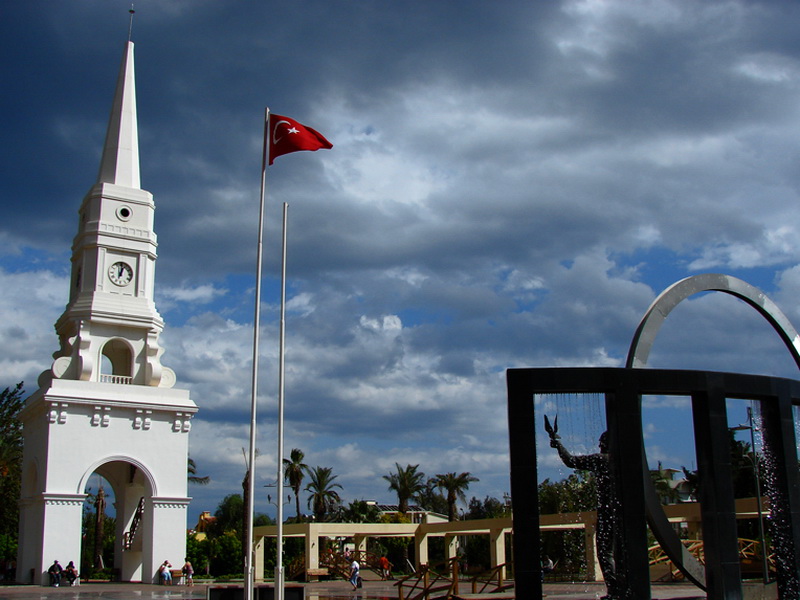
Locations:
{"points": [[325, 590]]}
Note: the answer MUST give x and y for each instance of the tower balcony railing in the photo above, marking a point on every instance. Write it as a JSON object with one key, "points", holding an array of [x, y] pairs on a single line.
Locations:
{"points": [[119, 379]]}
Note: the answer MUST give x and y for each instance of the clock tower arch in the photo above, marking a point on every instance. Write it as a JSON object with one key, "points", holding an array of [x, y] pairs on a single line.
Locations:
{"points": [[107, 405]]}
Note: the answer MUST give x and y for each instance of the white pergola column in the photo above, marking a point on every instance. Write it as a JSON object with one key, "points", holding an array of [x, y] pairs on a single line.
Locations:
{"points": [[593, 571], [258, 560], [360, 544], [420, 548], [450, 546], [497, 549], [312, 547]]}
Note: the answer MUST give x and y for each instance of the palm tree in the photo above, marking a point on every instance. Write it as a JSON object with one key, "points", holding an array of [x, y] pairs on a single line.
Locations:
{"points": [[192, 471], [455, 486], [431, 499], [405, 482], [324, 498], [294, 470]]}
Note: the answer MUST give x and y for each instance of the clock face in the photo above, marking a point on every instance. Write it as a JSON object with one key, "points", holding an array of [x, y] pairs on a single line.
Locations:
{"points": [[120, 273]]}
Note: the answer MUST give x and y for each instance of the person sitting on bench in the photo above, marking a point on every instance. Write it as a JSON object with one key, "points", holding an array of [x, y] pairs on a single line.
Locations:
{"points": [[71, 573], [55, 571], [164, 574]]}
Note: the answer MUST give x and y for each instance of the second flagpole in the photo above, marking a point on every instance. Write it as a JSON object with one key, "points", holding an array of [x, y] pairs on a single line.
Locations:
{"points": [[248, 556], [279, 541]]}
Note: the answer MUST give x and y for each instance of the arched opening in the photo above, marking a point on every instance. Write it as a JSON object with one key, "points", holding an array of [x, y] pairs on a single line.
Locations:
{"points": [[113, 543], [116, 362], [98, 529]]}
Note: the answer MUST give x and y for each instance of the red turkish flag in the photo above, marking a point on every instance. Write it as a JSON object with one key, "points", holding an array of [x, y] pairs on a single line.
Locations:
{"points": [[287, 135]]}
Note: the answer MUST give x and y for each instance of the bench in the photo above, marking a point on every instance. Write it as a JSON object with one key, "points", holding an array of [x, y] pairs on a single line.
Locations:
{"points": [[178, 578], [315, 574]]}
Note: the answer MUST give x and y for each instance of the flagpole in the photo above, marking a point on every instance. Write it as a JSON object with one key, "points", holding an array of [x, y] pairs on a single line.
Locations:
{"points": [[249, 575], [279, 560]]}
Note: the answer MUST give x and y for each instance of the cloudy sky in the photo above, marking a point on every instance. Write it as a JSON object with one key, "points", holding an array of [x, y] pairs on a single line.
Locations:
{"points": [[511, 184]]}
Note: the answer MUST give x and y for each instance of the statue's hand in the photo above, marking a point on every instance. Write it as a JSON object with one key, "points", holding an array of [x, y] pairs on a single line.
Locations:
{"points": [[552, 431]]}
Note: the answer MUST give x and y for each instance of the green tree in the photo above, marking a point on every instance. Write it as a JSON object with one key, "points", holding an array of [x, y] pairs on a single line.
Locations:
{"points": [[743, 461], [294, 470], [10, 456], [105, 539], [431, 499], [455, 486], [229, 514], [225, 536], [192, 474], [662, 481], [11, 402], [359, 511], [743, 474], [8, 547], [576, 493], [477, 556], [227, 557], [324, 498], [405, 482], [489, 508], [197, 551]]}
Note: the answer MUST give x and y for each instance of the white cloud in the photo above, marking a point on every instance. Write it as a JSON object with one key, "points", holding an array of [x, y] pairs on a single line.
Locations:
{"points": [[768, 68], [200, 294], [511, 191], [30, 304]]}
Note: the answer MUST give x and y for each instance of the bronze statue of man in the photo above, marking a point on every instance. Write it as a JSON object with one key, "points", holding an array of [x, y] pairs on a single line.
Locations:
{"points": [[607, 503]]}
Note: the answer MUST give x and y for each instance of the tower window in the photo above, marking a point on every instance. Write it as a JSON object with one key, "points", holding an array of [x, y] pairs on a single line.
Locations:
{"points": [[116, 362], [124, 213]]}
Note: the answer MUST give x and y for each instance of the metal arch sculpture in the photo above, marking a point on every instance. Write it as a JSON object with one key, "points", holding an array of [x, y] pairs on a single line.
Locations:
{"points": [[637, 358], [709, 282]]}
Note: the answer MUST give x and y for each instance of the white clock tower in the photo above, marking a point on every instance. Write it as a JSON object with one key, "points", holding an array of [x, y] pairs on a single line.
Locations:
{"points": [[107, 405]]}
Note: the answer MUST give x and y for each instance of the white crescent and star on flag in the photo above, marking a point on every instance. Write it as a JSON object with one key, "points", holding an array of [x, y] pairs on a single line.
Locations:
{"points": [[275, 138]]}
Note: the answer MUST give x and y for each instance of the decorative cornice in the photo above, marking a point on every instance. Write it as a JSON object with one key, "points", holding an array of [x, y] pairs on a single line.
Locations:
{"points": [[182, 422], [164, 502], [143, 419], [51, 499], [120, 231], [101, 417], [57, 413], [181, 410]]}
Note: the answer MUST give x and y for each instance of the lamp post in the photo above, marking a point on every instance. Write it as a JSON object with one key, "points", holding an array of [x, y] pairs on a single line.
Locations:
{"points": [[754, 459]]}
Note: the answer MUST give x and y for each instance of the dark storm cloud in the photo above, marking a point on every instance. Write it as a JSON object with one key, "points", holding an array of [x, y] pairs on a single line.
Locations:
{"points": [[510, 184]]}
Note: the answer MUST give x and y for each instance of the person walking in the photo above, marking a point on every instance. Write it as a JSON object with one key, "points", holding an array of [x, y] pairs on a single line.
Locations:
{"points": [[354, 571], [188, 572], [385, 567]]}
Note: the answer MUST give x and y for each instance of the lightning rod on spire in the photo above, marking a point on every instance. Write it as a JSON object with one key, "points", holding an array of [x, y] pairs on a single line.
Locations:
{"points": [[130, 24]]}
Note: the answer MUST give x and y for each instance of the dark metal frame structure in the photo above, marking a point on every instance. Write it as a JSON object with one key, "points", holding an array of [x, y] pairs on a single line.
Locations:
{"points": [[623, 389]]}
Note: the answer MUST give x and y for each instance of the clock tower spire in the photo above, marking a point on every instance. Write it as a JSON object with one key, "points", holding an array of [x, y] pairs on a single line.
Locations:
{"points": [[113, 264], [120, 162]]}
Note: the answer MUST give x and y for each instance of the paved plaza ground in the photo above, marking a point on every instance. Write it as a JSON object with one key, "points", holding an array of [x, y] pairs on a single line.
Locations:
{"points": [[324, 590]]}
